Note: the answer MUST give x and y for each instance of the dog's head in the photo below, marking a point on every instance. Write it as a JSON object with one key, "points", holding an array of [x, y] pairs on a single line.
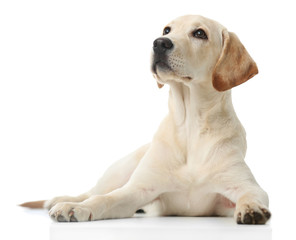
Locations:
{"points": [[196, 49]]}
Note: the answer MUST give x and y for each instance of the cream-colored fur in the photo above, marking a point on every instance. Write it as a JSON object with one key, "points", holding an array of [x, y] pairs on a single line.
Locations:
{"points": [[194, 165]]}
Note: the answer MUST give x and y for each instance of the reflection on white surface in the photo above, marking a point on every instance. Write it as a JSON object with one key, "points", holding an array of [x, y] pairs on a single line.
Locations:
{"points": [[144, 228]]}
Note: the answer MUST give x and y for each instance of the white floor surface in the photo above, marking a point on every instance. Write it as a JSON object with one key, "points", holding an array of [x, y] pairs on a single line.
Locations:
{"points": [[35, 224]]}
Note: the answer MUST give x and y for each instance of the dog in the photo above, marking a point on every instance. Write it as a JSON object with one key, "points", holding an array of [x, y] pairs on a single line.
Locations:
{"points": [[194, 165]]}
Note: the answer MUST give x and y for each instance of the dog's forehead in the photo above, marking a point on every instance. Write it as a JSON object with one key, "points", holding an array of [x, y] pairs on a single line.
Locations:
{"points": [[192, 21]]}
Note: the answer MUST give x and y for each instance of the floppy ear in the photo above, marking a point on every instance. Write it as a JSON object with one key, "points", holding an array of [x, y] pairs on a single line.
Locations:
{"points": [[235, 66]]}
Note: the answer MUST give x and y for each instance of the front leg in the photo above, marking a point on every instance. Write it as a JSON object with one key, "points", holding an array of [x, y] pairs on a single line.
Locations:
{"points": [[239, 185], [149, 180]]}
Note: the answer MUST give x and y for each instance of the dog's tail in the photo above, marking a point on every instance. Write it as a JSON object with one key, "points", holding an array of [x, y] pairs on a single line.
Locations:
{"points": [[35, 204]]}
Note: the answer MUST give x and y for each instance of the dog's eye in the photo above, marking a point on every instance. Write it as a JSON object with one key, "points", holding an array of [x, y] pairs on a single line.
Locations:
{"points": [[199, 33], [166, 30]]}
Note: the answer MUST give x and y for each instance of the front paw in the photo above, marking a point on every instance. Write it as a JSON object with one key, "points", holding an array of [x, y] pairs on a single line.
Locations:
{"points": [[252, 214], [50, 203], [70, 212]]}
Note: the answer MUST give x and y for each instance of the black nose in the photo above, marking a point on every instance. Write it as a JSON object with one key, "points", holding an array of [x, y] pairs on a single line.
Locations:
{"points": [[161, 45]]}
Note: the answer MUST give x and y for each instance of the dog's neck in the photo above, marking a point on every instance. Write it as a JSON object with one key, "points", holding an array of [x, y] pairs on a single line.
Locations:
{"points": [[198, 105]]}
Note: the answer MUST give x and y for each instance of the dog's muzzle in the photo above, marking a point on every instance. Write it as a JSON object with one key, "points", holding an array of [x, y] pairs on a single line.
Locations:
{"points": [[160, 48]]}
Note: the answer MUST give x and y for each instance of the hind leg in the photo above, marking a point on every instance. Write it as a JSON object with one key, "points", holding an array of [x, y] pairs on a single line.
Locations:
{"points": [[115, 177], [224, 207], [149, 180]]}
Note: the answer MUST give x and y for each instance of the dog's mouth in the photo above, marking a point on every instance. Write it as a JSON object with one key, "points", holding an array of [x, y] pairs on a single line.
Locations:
{"points": [[160, 65]]}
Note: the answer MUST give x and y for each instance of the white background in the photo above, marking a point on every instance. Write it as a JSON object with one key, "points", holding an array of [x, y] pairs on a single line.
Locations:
{"points": [[76, 94]]}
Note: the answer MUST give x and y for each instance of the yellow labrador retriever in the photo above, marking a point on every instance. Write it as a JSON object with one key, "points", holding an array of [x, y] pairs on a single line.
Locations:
{"points": [[194, 165]]}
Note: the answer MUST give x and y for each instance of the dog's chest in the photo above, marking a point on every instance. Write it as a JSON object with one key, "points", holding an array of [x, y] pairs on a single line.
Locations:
{"points": [[195, 202], [197, 148], [194, 195], [195, 139]]}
